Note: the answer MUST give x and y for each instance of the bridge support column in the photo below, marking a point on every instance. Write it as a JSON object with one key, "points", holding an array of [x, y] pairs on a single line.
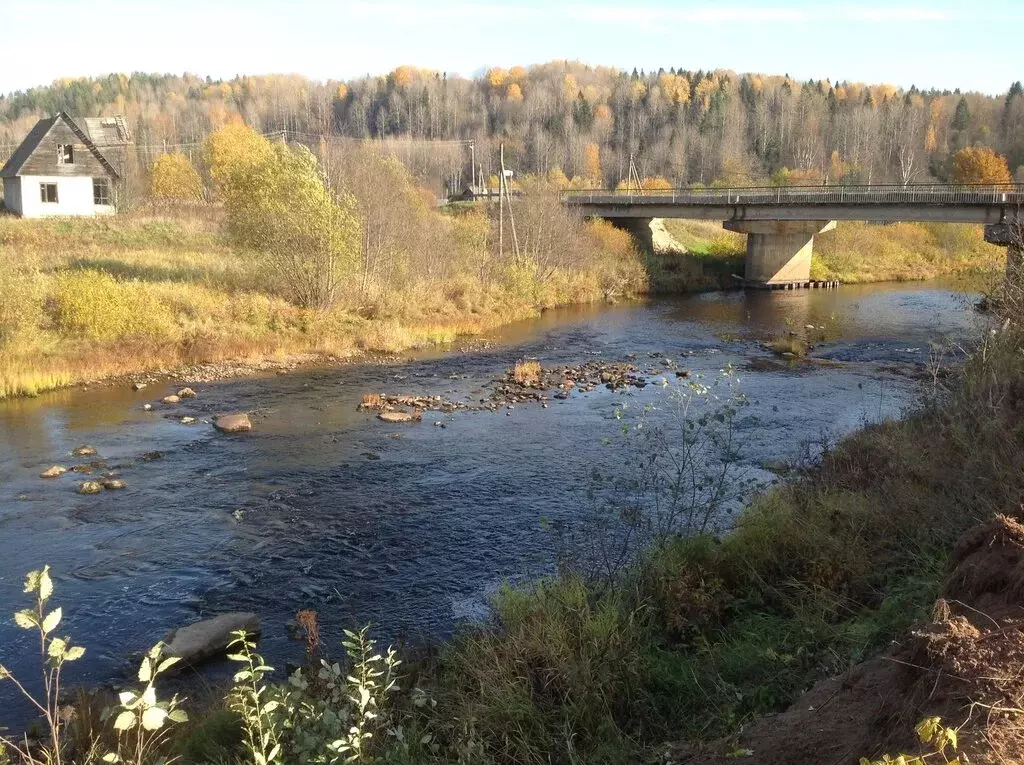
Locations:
{"points": [[779, 251], [1010, 236], [650, 235]]}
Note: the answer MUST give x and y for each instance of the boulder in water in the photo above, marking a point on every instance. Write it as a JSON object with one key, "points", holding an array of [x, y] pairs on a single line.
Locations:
{"points": [[90, 487], [197, 642], [171, 399], [186, 393], [54, 472], [233, 423], [84, 451]]}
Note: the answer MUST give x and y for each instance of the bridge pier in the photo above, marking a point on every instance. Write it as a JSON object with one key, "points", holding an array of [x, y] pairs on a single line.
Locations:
{"points": [[1010, 236], [650, 235], [779, 251]]}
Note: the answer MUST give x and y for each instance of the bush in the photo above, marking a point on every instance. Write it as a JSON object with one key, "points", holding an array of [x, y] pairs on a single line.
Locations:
{"points": [[95, 305]]}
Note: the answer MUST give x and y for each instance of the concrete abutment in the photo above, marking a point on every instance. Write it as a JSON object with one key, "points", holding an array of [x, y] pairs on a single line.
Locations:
{"points": [[1010, 236], [778, 252]]}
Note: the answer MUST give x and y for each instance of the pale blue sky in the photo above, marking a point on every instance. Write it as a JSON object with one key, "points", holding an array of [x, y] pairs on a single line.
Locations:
{"points": [[970, 44]]}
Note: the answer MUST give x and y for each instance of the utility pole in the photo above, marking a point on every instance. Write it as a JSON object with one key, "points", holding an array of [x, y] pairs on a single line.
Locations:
{"points": [[501, 204], [472, 165]]}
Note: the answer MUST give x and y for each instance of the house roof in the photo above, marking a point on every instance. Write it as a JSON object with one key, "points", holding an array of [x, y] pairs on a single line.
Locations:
{"points": [[35, 136], [106, 132]]}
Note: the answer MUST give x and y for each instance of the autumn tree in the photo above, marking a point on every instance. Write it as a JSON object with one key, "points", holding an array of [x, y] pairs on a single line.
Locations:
{"points": [[979, 164], [174, 179], [278, 204]]}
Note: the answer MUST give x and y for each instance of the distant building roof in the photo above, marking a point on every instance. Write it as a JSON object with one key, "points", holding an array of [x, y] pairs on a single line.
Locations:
{"points": [[106, 132], [109, 134]]}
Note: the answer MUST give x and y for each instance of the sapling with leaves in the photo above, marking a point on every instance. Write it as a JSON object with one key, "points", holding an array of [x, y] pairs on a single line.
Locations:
{"points": [[54, 653], [141, 719], [250, 698]]}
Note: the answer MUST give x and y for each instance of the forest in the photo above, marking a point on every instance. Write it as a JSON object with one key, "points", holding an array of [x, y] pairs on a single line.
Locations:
{"points": [[569, 121]]}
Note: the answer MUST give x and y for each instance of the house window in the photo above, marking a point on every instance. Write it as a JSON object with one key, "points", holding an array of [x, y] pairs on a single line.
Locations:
{"points": [[48, 192], [100, 191], [65, 154]]}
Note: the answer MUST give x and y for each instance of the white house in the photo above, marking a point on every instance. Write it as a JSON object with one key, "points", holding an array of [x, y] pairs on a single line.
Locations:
{"points": [[59, 170]]}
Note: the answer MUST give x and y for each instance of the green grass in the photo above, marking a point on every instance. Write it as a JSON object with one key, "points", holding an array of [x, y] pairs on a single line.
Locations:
{"points": [[862, 252]]}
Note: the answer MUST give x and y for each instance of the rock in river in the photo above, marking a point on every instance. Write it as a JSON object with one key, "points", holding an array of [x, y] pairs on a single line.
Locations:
{"points": [[172, 399], [111, 483], [232, 423], [186, 393], [397, 417], [90, 487], [210, 637], [54, 472], [84, 451]]}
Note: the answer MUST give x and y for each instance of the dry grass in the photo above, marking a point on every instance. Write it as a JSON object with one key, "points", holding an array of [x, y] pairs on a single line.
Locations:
{"points": [[527, 372], [88, 299], [787, 345]]}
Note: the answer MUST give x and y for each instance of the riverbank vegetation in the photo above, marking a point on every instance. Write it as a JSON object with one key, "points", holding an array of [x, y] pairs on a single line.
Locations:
{"points": [[360, 260], [857, 252], [690, 638]]}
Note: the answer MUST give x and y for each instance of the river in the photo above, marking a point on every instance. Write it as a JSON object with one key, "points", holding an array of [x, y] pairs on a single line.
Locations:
{"points": [[321, 507]]}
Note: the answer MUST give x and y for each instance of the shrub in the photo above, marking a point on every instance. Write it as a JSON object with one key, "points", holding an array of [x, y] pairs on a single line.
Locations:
{"points": [[94, 305]]}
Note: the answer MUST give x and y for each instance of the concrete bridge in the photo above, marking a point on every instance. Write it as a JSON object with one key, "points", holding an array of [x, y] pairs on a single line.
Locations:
{"points": [[781, 223]]}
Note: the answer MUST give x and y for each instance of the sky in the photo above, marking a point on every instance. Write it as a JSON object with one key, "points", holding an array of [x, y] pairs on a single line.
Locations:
{"points": [[966, 44]]}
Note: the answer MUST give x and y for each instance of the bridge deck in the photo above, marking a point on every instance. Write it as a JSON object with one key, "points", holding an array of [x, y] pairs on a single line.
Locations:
{"points": [[937, 203]]}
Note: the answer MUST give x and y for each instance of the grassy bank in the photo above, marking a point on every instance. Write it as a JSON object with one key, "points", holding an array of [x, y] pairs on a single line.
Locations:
{"points": [[863, 252], [86, 299]]}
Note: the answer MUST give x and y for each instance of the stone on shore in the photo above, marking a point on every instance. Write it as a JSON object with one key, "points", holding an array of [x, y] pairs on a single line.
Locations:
{"points": [[232, 423], [90, 487], [197, 642], [172, 399], [84, 451], [54, 472], [138, 386], [396, 417], [186, 393]]}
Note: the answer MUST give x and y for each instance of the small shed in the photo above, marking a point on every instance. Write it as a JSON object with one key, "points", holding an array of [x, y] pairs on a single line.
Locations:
{"points": [[60, 170]]}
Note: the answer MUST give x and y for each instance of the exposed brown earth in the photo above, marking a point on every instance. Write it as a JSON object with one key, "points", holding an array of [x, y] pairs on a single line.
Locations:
{"points": [[966, 667]]}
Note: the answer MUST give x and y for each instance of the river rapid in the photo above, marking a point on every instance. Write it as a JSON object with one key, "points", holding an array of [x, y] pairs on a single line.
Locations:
{"points": [[322, 507]]}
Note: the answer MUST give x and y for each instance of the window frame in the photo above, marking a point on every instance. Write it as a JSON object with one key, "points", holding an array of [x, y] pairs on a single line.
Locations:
{"points": [[65, 154], [104, 183], [44, 196]]}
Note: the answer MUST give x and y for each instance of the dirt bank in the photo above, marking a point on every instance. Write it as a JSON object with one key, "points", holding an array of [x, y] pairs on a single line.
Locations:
{"points": [[965, 667]]}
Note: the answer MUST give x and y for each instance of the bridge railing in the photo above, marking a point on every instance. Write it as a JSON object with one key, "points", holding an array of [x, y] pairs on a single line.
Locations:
{"points": [[926, 194]]}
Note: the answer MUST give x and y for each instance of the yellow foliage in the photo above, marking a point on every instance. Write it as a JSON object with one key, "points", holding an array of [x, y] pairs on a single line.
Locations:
{"points": [[637, 90], [977, 164], [676, 87], [886, 91], [342, 92], [650, 183], [496, 77], [705, 89], [797, 177], [558, 179], [230, 151], [514, 93], [603, 114], [570, 86], [592, 162], [930, 141], [94, 305], [174, 178], [517, 74], [837, 168], [404, 76]]}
